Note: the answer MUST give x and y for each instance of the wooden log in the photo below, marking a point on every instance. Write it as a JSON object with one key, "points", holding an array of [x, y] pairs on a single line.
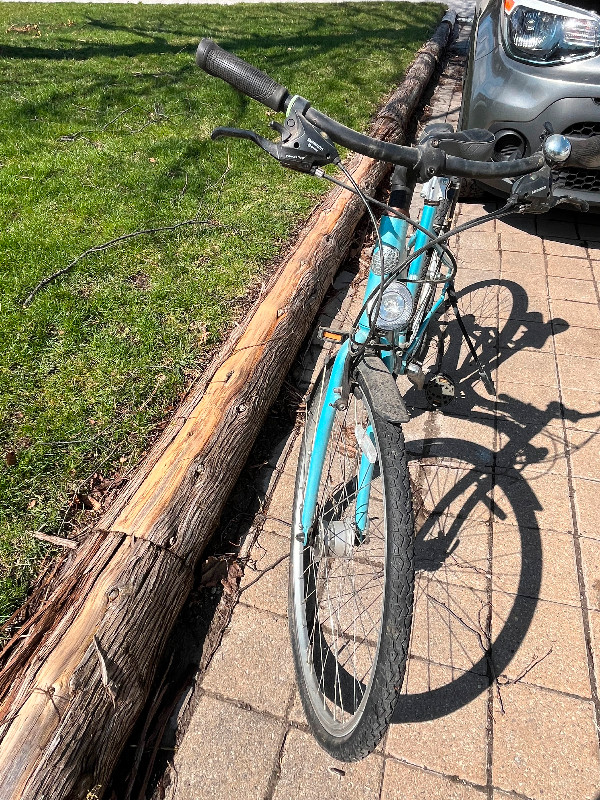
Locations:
{"points": [[75, 677], [60, 541]]}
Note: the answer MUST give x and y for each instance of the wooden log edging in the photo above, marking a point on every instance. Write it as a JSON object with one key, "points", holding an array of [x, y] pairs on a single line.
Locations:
{"points": [[73, 688]]}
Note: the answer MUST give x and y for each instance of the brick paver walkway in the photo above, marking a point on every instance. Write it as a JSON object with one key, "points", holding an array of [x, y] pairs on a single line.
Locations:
{"points": [[501, 695]]}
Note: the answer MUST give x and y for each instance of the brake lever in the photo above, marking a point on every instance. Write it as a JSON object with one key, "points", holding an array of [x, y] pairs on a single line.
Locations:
{"points": [[303, 147], [533, 192], [240, 133]]}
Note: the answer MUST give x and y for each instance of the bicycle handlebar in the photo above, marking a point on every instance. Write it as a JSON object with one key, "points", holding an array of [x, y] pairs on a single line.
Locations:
{"points": [[584, 153], [243, 76], [261, 87], [411, 156]]}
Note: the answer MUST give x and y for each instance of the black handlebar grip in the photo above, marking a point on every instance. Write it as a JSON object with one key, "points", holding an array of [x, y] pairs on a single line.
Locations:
{"points": [[241, 75], [584, 153]]}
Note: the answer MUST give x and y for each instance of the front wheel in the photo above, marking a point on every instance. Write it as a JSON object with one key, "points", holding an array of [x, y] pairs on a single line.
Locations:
{"points": [[351, 584]]}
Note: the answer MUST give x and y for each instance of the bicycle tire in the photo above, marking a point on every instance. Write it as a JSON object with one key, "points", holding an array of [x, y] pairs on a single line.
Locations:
{"points": [[348, 714]]}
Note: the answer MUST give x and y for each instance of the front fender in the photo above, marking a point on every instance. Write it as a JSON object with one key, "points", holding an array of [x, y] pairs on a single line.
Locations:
{"points": [[381, 391]]}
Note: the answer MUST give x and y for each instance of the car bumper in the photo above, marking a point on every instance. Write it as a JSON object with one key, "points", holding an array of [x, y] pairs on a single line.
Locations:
{"points": [[514, 99]]}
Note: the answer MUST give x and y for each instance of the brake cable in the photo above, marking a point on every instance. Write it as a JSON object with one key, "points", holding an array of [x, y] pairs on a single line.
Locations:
{"points": [[507, 209]]}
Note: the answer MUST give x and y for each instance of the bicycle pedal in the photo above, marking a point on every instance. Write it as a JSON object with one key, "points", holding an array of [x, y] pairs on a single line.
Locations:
{"points": [[332, 335], [440, 390]]}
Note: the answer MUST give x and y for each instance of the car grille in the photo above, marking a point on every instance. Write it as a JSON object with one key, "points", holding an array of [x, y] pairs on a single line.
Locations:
{"points": [[583, 129], [583, 180]]}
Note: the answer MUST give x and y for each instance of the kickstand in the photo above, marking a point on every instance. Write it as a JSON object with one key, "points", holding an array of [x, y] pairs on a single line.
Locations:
{"points": [[483, 373], [440, 347]]}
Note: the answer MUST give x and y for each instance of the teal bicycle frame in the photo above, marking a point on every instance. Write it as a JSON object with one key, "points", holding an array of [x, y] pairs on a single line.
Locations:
{"points": [[393, 234]]}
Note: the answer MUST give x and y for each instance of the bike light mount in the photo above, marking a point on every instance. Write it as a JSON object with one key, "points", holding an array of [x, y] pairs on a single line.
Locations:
{"points": [[395, 308]]}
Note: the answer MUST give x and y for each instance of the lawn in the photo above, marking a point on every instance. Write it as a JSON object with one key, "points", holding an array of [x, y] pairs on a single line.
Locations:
{"points": [[105, 125]]}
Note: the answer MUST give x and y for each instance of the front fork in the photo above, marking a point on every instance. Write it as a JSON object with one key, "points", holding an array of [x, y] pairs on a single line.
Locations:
{"points": [[321, 438], [393, 234], [319, 448]]}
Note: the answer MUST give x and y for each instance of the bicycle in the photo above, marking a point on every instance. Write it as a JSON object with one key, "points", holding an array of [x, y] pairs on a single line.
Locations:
{"points": [[352, 550]]}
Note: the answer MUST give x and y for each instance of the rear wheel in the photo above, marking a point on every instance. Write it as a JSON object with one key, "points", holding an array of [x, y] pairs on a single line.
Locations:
{"points": [[351, 586]]}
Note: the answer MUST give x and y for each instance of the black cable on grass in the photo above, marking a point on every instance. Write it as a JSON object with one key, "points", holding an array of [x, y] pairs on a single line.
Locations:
{"points": [[99, 248]]}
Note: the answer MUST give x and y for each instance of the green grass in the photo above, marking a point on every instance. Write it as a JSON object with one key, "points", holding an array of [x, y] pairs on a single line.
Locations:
{"points": [[105, 125]]}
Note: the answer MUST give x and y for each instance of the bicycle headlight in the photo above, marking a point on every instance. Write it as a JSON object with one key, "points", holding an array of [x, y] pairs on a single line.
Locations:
{"points": [[396, 307], [537, 32]]}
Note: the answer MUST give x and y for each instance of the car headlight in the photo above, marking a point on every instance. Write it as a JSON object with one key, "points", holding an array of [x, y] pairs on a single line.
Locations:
{"points": [[539, 33], [396, 307]]}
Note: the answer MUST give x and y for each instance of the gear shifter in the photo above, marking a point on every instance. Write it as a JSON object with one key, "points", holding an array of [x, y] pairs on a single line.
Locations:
{"points": [[303, 146]]}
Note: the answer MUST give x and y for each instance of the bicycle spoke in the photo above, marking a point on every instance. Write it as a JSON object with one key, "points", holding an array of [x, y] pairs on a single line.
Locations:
{"points": [[338, 589], [346, 593]]}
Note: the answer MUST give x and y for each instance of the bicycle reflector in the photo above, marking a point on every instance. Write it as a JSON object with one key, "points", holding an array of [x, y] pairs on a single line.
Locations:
{"points": [[396, 307]]}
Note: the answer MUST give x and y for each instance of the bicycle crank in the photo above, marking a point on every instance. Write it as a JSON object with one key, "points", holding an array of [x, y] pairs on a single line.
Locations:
{"points": [[439, 390]]}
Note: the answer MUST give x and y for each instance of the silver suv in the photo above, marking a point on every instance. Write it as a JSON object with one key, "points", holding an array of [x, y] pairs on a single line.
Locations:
{"points": [[533, 62]]}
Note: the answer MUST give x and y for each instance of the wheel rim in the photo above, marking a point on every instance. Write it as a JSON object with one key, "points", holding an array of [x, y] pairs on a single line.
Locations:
{"points": [[339, 578]]}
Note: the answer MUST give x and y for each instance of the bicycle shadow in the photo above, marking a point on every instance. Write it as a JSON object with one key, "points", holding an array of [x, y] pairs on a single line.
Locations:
{"points": [[477, 502], [480, 506]]}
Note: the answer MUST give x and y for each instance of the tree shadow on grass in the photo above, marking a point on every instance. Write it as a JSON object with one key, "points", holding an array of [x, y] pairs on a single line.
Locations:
{"points": [[317, 36]]}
